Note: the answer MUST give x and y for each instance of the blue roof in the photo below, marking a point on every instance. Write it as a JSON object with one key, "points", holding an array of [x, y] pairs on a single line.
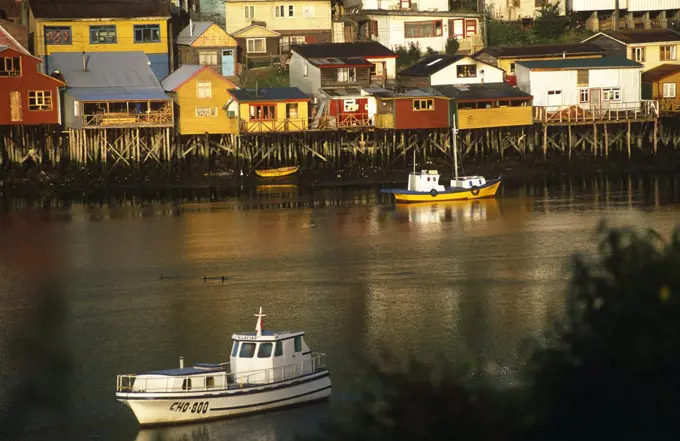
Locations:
{"points": [[581, 63], [178, 77], [269, 94], [117, 94]]}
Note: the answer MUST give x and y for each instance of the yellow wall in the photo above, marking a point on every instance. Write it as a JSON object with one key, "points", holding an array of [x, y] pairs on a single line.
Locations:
{"points": [[281, 124], [495, 117], [504, 63], [653, 54], [80, 36], [265, 11], [189, 123], [215, 37]]}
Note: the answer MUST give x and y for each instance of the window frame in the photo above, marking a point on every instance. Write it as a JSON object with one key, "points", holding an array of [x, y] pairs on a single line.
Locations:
{"points": [[663, 90], [420, 102], [349, 77], [297, 344], [436, 24], [673, 52], [235, 348], [99, 28], [460, 67], [262, 112], [584, 93], [46, 96], [641, 58], [201, 87], [262, 345], [611, 90], [12, 71], [205, 112], [278, 348], [146, 27], [250, 8], [48, 29], [212, 54], [246, 344], [253, 40]]}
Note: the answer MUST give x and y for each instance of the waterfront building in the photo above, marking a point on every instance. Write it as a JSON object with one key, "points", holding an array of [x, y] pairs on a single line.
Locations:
{"points": [[206, 43], [257, 46], [91, 26], [446, 69], [27, 96], [651, 48], [201, 98], [266, 110], [661, 83], [413, 109], [602, 15], [506, 57], [516, 10]]}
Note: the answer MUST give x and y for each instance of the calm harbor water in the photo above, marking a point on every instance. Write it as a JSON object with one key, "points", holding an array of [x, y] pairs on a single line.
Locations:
{"points": [[467, 281]]}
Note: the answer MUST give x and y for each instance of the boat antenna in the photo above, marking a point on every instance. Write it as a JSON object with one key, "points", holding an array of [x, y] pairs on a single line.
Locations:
{"points": [[454, 133], [258, 326]]}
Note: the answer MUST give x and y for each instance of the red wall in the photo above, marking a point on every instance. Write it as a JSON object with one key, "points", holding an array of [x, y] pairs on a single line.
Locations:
{"points": [[30, 79], [338, 106], [407, 118]]}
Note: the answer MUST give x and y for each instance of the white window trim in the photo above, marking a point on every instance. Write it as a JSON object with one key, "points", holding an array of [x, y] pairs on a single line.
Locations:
{"points": [[264, 45], [665, 95], [641, 51], [611, 89], [581, 93], [282, 10], [247, 8], [211, 112], [205, 86]]}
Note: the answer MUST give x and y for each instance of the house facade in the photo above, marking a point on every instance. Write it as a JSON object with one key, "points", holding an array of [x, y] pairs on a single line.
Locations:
{"points": [[257, 45], [411, 110], [662, 84], [588, 83], [201, 98], [297, 22], [651, 48], [633, 14], [27, 96], [438, 70], [207, 44], [276, 109], [87, 26], [514, 10]]}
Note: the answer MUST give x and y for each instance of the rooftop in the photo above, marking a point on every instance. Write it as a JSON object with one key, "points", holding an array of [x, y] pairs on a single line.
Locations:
{"points": [[581, 63], [660, 72], [641, 36], [8, 41], [191, 33], [269, 94], [340, 62], [542, 50], [432, 64], [70, 9], [477, 92], [332, 50]]}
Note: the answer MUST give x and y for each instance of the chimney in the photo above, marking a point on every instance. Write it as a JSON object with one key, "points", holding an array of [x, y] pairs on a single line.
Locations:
{"points": [[84, 62], [191, 28]]}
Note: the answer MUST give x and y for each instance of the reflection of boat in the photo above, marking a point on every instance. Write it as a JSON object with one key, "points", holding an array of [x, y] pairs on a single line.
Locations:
{"points": [[467, 211], [266, 370], [277, 172], [425, 187], [269, 187]]}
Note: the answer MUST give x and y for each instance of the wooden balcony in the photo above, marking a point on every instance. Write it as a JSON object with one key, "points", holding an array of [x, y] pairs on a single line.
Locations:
{"points": [[589, 113], [470, 45], [266, 126], [127, 114]]}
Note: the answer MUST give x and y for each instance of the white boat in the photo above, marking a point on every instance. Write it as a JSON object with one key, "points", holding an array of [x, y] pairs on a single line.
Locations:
{"points": [[267, 370]]}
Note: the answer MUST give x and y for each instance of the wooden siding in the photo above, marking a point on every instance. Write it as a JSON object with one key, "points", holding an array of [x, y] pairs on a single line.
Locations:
{"points": [[18, 88], [189, 55], [612, 47], [272, 48], [407, 118], [329, 78], [654, 91], [188, 102], [214, 36], [495, 117], [280, 123]]}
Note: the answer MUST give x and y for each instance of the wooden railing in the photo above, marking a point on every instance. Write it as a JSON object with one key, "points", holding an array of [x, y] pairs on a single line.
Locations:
{"points": [[345, 120], [644, 109], [669, 105], [110, 119], [471, 44], [286, 125]]}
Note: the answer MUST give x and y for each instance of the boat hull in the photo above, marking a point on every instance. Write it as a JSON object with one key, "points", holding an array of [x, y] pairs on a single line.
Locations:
{"points": [[152, 409], [405, 196], [277, 172]]}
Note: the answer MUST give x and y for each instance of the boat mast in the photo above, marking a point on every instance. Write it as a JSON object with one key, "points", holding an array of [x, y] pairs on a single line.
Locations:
{"points": [[414, 160], [454, 132], [258, 326]]}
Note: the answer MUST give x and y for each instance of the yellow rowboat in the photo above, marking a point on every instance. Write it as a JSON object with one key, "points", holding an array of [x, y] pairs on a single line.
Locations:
{"points": [[277, 172], [424, 187]]}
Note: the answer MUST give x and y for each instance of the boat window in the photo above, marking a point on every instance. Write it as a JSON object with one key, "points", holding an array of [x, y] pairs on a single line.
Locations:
{"points": [[234, 349], [279, 349], [186, 384], [298, 344], [265, 350], [247, 350], [209, 382]]}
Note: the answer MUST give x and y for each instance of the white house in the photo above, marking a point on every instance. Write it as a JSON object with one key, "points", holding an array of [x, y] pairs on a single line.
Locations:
{"points": [[442, 70], [407, 5], [513, 10], [589, 83]]}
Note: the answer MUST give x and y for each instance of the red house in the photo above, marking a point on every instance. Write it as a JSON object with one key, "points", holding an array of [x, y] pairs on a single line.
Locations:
{"points": [[26, 95], [415, 109]]}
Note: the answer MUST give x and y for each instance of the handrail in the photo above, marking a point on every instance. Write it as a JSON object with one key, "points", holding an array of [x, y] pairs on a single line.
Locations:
{"points": [[587, 112], [129, 383]]}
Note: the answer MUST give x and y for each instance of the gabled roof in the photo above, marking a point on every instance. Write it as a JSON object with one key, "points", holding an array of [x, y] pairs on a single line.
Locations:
{"points": [[434, 63], [581, 63], [477, 92], [542, 50], [109, 75], [186, 72], [72, 9], [660, 72], [367, 49], [639, 36], [8, 41], [261, 31], [191, 33], [269, 94]]}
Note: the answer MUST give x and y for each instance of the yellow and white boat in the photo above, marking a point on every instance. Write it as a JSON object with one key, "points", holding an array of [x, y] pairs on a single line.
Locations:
{"points": [[425, 187], [277, 172]]}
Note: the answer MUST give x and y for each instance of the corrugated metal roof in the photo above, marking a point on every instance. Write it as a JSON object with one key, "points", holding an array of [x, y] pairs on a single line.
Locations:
{"points": [[367, 49], [99, 8], [432, 64], [489, 91], [542, 50], [660, 72], [117, 94], [581, 63], [269, 94], [178, 77], [191, 33]]}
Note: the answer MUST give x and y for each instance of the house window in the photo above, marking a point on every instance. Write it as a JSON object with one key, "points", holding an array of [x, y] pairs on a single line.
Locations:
{"points": [[287, 42], [265, 350], [249, 11], [255, 45], [56, 35], [350, 105], [373, 28], [582, 78], [284, 10], [512, 67], [639, 54], [611, 94], [298, 344], [208, 58], [584, 95], [554, 92], [421, 29], [292, 110], [10, 67], [669, 90], [347, 75], [423, 104], [204, 90], [264, 112], [206, 111], [147, 33], [308, 11], [103, 34], [668, 53], [466, 71], [40, 100]]}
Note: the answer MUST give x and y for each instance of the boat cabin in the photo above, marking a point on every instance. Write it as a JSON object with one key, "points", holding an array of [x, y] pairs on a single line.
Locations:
{"points": [[428, 181]]}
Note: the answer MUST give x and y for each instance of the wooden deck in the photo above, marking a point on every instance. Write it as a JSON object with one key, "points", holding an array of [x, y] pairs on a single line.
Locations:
{"points": [[645, 110]]}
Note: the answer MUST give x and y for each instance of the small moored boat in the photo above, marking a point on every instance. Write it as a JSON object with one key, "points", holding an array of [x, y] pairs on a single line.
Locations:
{"points": [[277, 172], [266, 370]]}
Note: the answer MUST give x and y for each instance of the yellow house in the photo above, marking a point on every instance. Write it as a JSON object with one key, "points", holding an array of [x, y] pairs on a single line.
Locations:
{"points": [[276, 109], [649, 47], [201, 94], [90, 26]]}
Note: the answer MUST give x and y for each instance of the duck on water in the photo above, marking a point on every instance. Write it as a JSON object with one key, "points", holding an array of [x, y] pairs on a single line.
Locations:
{"points": [[267, 370]]}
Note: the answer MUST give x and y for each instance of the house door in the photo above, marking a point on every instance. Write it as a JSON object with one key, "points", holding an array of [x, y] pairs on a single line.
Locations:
{"points": [[228, 62], [595, 99], [457, 29], [16, 112]]}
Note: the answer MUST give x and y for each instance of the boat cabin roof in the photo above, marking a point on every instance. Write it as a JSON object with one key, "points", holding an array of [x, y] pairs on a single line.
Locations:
{"points": [[193, 370], [266, 335]]}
